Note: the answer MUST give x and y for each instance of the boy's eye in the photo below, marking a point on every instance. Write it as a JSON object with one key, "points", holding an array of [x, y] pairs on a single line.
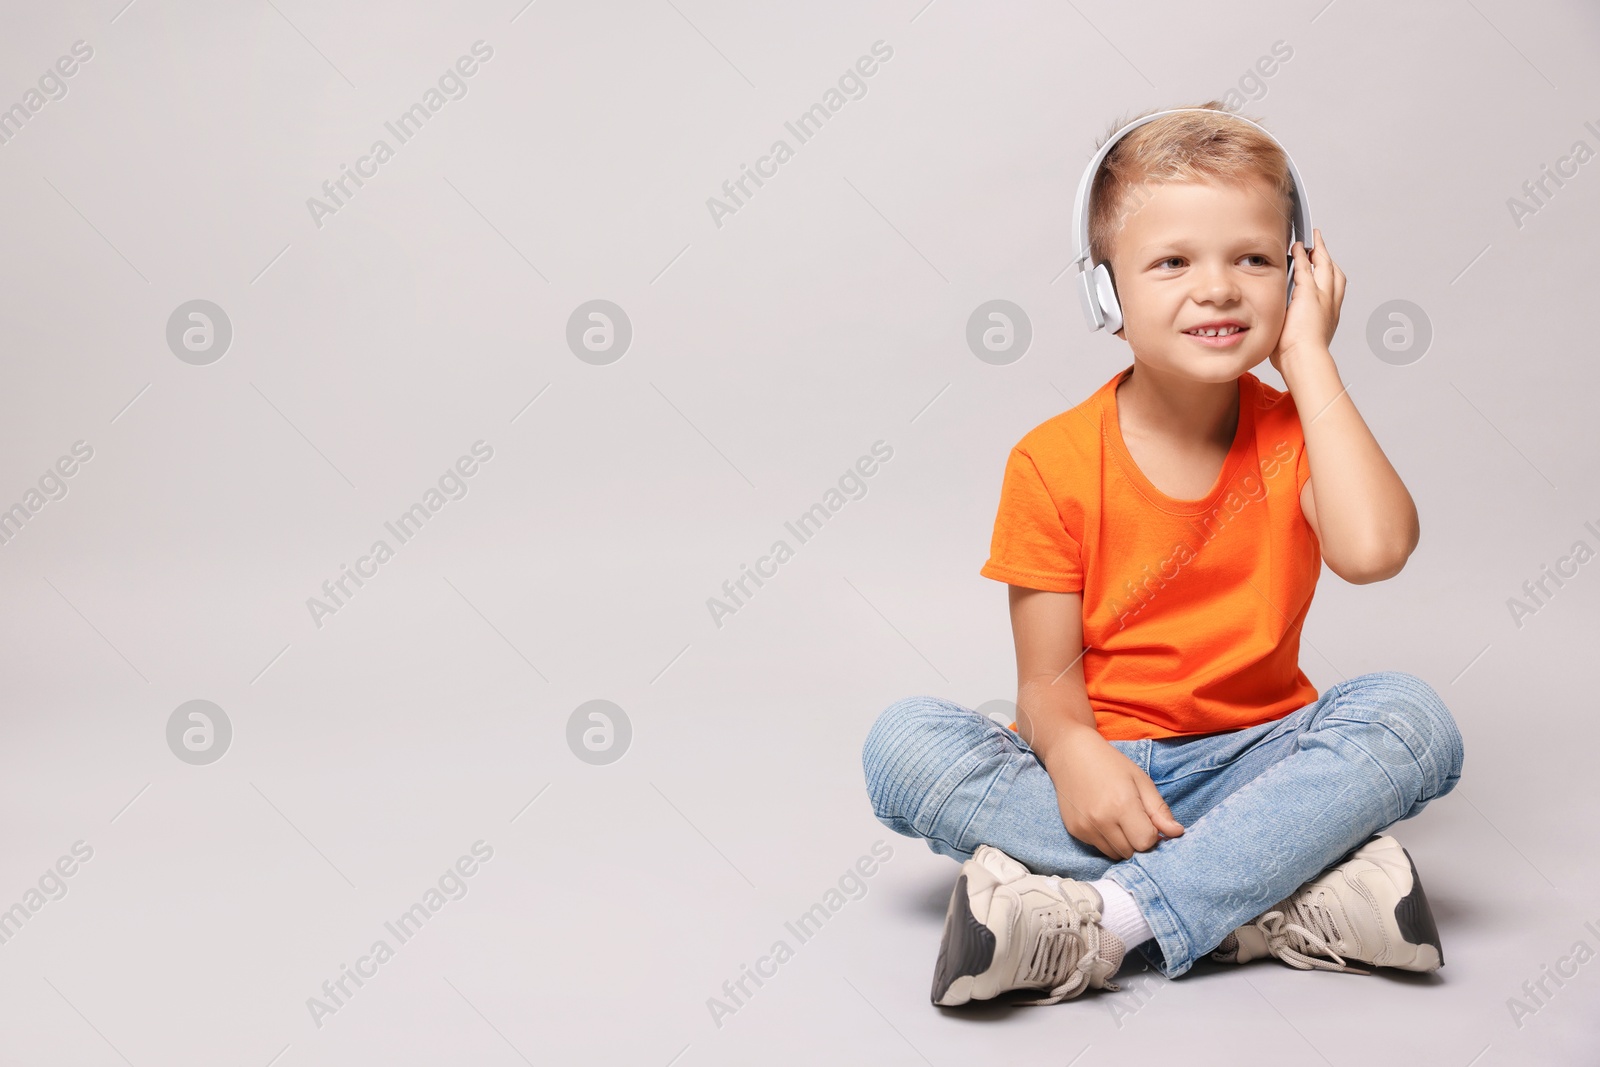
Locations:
{"points": [[1260, 260]]}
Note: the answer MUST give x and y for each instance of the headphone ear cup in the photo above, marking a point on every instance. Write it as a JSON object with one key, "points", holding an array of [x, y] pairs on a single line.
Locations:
{"points": [[1089, 302], [1106, 293]]}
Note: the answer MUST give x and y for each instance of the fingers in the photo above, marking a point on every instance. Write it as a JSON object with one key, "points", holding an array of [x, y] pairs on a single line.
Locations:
{"points": [[1328, 273], [1139, 828], [1139, 832], [1119, 848], [1104, 834], [1135, 828], [1089, 830], [1080, 824], [1095, 836], [1329, 278], [1156, 809], [1113, 841], [1305, 274]]}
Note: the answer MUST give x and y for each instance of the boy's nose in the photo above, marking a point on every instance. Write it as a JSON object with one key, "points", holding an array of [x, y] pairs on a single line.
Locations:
{"points": [[1215, 285]]}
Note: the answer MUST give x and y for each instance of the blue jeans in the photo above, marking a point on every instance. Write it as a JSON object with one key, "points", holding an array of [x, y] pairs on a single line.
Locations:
{"points": [[1264, 809]]}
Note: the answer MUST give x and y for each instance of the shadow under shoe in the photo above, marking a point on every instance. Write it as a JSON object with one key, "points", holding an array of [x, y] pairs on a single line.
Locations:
{"points": [[1007, 929], [1368, 908]]}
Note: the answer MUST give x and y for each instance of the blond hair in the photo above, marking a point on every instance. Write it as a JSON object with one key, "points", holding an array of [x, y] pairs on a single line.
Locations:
{"points": [[1189, 147]]}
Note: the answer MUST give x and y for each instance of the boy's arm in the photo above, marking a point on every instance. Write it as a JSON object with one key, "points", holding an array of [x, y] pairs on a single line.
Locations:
{"points": [[1364, 519], [1106, 800]]}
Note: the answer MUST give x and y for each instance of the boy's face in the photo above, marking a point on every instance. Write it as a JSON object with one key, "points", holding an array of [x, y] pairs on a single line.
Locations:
{"points": [[1193, 254]]}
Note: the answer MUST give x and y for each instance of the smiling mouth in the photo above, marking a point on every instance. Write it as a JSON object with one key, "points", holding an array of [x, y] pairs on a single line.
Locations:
{"points": [[1222, 331]]}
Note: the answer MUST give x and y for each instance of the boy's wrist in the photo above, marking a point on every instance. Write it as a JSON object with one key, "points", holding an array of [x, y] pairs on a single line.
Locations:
{"points": [[1294, 364], [1063, 741]]}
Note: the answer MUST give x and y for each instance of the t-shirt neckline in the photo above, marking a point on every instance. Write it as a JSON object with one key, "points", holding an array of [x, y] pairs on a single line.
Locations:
{"points": [[1111, 429]]}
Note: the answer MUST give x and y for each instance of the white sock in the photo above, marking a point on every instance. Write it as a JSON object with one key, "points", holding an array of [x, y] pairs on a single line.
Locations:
{"points": [[1120, 914]]}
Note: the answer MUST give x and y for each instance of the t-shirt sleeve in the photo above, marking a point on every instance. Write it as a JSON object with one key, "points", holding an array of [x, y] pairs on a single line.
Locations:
{"points": [[1031, 546]]}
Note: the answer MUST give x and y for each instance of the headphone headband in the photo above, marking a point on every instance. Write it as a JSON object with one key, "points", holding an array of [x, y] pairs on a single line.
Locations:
{"points": [[1095, 285]]}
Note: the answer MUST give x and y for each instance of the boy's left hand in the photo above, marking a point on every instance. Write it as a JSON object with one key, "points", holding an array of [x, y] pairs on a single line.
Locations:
{"points": [[1313, 313]]}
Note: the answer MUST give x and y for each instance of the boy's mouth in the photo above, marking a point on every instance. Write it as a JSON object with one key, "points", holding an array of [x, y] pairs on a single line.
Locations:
{"points": [[1220, 334]]}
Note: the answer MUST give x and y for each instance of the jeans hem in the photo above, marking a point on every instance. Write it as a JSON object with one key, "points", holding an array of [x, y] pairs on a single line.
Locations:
{"points": [[1176, 950]]}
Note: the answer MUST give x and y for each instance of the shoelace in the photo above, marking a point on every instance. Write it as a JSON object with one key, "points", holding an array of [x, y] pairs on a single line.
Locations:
{"points": [[1065, 929], [1310, 929]]}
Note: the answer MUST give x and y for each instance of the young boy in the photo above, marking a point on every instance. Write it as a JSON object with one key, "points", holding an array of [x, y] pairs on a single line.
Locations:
{"points": [[1173, 781]]}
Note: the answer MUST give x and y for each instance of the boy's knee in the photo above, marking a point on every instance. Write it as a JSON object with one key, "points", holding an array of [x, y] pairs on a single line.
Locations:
{"points": [[902, 749], [1436, 728], [1415, 712]]}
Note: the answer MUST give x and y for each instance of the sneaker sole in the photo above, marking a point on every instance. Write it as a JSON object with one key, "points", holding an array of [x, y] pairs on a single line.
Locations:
{"points": [[966, 950]]}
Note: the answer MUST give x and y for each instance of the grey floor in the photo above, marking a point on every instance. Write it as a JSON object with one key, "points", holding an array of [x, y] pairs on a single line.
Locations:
{"points": [[217, 885]]}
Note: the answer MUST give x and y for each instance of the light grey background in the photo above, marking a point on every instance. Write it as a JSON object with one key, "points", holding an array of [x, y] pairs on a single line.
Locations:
{"points": [[768, 354]]}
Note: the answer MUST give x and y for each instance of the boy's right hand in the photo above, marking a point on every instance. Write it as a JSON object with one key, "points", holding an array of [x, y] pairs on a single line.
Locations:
{"points": [[1106, 800]]}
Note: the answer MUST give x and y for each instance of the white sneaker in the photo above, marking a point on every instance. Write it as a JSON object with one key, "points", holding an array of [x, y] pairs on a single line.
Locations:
{"points": [[1369, 908], [1008, 929]]}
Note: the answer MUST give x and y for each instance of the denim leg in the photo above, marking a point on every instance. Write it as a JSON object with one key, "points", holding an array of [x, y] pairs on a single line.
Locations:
{"points": [[942, 772], [1369, 752]]}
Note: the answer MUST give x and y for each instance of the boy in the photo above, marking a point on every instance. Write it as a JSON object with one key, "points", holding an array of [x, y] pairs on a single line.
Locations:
{"points": [[1173, 781]]}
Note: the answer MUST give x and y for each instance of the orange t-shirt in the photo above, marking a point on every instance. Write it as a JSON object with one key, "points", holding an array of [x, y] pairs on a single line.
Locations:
{"points": [[1191, 608]]}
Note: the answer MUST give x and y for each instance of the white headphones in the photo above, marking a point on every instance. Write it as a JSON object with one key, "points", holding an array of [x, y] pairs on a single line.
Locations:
{"points": [[1095, 287]]}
